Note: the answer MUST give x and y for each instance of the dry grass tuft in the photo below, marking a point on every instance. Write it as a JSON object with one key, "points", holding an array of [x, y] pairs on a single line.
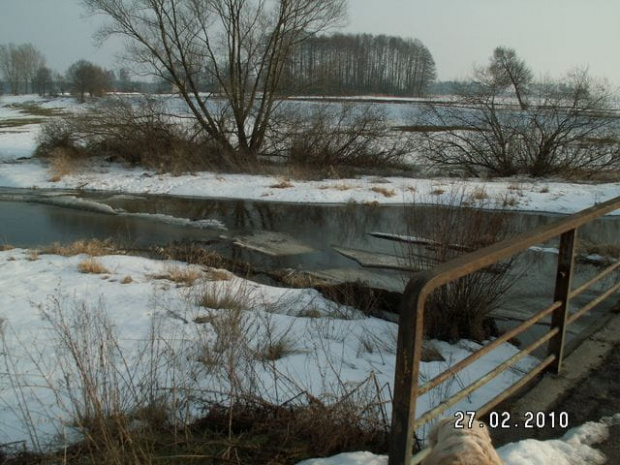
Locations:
{"points": [[5, 247], [61, 164], [225, 295], [508, 200], [33, 255], [92, 265], [383, 191], [127, 279], [92, 247], [438, 192], [184, 276], [276, 350], [297, 279], [479, 193], [218, 275], [283, 184], [338, 187]]}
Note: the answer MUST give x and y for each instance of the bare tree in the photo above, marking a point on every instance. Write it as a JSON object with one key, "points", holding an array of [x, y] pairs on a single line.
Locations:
{"points": [[9, 67], [19, 65], [566, 128], [85, 77], [30, 60], [42, 82], [506, 69], [242, 45]]}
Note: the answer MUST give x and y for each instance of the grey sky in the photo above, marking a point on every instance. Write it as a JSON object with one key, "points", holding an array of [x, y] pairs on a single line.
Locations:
{"points": [[553, 36]]}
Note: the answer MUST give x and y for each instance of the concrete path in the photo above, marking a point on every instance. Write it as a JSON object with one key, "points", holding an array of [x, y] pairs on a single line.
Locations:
{"points": [[587, 389]]}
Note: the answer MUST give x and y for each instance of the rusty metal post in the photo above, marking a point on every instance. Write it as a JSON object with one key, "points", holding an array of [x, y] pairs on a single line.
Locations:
{"points": [[563, 282], [407, 369]]}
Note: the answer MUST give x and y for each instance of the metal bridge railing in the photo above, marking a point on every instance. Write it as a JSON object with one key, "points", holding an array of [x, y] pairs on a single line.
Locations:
{"points": [[410, 332]]}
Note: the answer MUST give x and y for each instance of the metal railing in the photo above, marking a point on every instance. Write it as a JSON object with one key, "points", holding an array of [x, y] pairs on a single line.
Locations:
{"points": [[410, 332]]}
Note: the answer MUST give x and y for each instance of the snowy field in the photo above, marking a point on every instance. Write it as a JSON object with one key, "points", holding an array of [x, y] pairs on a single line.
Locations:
{"points": [[329, 349]]}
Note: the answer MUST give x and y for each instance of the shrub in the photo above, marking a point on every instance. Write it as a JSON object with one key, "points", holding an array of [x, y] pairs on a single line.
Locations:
{"points": [[323, 136], [138, 132], [92, 265], [568, 129], [461, 308]]}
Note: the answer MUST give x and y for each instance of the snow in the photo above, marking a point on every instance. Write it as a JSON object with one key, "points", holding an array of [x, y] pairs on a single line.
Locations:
{"points": [[338, 348], [335, 348], [517, 194]]}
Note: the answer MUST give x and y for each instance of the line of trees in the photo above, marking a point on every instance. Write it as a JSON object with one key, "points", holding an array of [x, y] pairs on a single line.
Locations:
{"points": [[19, 66], [360, 63], [23, 70]]}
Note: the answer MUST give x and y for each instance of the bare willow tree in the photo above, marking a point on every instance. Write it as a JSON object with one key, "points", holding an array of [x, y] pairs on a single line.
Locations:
{"points": [[240, 45], [568, 127], [506, 70]]}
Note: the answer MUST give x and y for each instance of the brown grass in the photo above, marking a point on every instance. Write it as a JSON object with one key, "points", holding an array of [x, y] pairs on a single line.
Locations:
{"points": [[61, 164], [127, 279], [218, 275], [92, 247], [33, 255], [184, 276], [384, 191], [508, 200], [479, 193], [283, 184], [338, 187], [92, 265], [225, 296], [438, 191]]}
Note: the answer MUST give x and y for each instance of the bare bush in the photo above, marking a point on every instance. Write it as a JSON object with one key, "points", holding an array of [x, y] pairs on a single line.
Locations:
{"points": [[323, 136], [135, 131], [566, 128], [461, 308]]}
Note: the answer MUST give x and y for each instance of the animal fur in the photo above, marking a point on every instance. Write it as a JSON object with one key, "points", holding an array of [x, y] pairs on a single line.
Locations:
{"points": [[461, 446]]}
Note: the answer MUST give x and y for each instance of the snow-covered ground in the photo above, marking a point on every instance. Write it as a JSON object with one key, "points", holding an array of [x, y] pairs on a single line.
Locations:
{"points": [[519, 194], [328, 348]]}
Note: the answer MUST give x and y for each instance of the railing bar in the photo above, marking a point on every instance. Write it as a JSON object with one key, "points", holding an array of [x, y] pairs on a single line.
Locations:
{"points": [[597, 278], [589, 306], [437, 380], [515, 387], [483, 380]]}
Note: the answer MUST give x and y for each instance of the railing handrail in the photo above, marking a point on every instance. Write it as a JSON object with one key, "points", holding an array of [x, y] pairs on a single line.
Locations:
{"points": [[410, 332]]}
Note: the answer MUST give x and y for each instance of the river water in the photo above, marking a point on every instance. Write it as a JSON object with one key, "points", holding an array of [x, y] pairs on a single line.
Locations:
{"points": [[37, 218]]}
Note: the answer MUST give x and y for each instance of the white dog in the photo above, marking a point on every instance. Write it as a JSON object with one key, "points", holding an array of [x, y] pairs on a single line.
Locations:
{"points": [[461, 446]]}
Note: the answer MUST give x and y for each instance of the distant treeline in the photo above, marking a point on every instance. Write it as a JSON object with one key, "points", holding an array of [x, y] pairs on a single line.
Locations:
{"points": [[345, 64]]}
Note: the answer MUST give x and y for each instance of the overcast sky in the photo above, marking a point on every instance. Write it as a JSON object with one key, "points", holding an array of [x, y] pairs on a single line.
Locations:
{"points": [[553, 36]]}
